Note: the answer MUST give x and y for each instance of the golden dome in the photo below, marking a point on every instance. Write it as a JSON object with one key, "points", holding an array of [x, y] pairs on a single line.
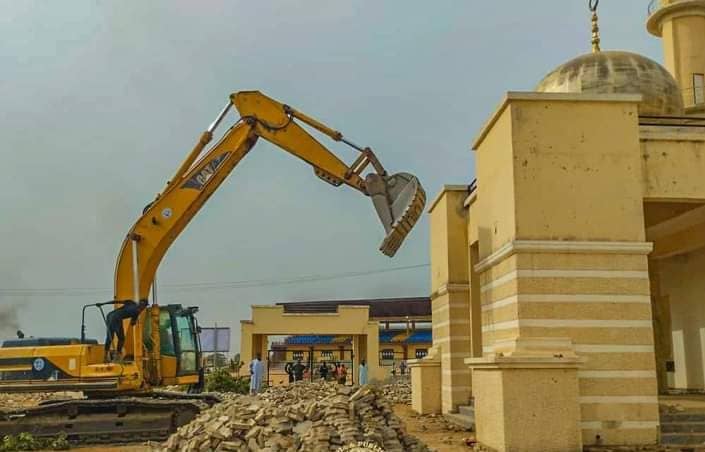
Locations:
{"points": [[614, 72]]}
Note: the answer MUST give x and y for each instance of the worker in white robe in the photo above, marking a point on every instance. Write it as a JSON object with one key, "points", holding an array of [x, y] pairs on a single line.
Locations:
{"points": [[363, 373], [256, 374]]}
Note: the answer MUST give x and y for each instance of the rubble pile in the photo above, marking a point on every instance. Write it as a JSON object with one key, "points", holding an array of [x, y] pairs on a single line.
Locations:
{"points": [[398, 391], [29, 399], [300, 417]]}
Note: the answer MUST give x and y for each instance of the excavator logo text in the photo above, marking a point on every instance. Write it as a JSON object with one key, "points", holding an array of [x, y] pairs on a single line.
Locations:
{"points": [[201, 178]]}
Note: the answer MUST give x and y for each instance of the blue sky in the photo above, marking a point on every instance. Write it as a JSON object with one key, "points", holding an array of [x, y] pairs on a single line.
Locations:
{"points": [[102, 100]]}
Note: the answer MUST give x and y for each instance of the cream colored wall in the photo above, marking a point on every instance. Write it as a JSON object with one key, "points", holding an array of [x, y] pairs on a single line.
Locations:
{"points": [[495, 200], [673, 163], [348, 320], [577, 170], [683, 281], [438, 221], [448, 260]]}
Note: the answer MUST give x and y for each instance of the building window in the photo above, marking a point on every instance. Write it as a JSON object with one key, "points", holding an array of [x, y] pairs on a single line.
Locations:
{"points": [[698, 88], [421, 353], [387, 353], [299, 354], [327, 354]]}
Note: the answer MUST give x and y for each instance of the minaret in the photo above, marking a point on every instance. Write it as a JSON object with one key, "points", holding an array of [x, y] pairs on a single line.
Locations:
{"points": [[681, 25]]}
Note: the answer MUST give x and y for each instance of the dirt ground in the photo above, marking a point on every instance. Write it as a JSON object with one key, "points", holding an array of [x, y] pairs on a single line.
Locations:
{"points": [[432, 431]]}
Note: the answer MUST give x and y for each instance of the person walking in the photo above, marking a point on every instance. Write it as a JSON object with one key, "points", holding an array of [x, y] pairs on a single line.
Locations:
{"points": [[402, 367], [363, 373], [256, 373]]}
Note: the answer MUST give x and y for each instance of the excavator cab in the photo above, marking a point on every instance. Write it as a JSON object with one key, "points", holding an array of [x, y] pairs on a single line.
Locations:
{"points": [[176, 344]]}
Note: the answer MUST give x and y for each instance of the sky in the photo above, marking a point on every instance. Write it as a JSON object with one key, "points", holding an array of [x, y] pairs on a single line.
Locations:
{"points": [[101, 100]]}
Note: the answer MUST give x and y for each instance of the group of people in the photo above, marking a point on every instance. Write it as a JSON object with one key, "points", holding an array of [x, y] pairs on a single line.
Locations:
{"points": [[402, 368], [298, 371], [336, 371]]}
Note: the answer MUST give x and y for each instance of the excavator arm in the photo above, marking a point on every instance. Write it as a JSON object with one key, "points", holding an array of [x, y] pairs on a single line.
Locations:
{"points": [[399, 199]]}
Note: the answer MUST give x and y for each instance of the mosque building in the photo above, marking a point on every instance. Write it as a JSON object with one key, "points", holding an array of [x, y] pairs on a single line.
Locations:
{"points": [[567, 281]]}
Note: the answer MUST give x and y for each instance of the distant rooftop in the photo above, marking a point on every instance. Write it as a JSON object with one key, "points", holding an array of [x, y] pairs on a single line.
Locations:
{"points": [[423, 336], [380, 308]]}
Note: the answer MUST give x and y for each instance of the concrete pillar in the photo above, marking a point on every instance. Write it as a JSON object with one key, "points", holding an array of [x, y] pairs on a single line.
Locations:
{"points": [[375, 372], [246, 341], [450, 295], [526, 396], [425, 381], [359, 347], [563, 253], [661, 309], [475, 303], [683, 283], [264, 350]]}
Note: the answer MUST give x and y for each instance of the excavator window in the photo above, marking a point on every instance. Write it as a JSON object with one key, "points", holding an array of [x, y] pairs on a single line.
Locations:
{"points": [[187, 344], [166, 335]]}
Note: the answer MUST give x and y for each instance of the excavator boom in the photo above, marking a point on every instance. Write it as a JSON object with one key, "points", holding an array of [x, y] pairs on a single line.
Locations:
{"points": [[398, 199]]}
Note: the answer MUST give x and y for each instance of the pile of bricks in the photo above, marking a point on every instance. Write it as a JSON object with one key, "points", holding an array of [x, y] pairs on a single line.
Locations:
{"points": [[300, 417]]}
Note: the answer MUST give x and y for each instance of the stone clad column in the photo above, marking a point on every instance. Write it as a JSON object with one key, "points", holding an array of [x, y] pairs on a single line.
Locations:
{"points": [[563, 255], [450, 297]]}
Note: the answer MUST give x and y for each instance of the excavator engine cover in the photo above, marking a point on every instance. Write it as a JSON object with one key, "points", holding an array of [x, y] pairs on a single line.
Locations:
{"points": [[399, 200]]}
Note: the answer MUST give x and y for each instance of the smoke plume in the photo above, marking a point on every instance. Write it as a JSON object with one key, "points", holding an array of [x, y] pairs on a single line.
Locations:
{"points": [[9, 324]]}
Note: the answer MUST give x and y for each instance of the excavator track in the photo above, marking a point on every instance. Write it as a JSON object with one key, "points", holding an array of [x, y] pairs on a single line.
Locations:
{"points": [[107, 421]]}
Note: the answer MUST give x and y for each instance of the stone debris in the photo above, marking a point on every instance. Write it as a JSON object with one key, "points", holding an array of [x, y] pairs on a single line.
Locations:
{"points": [[437, 422], [398, 391], [10, 401], [307, 417]]}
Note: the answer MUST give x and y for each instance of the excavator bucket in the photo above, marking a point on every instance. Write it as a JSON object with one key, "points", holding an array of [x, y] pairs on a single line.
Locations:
{"points": [[399, 200]]}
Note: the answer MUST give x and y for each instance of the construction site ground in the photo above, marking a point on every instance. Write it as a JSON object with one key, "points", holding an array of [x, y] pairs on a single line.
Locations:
{"points": [[432, 431]]}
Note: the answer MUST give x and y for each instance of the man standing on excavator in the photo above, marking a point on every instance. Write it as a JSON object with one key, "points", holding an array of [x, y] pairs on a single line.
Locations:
{"points": [[113, 322]]}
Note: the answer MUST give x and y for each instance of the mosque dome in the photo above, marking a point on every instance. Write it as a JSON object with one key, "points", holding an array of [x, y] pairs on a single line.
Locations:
{"points": [[616, 72]]}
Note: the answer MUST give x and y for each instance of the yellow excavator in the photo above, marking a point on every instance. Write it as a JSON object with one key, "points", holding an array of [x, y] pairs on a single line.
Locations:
{"points": [[162, 347]]}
